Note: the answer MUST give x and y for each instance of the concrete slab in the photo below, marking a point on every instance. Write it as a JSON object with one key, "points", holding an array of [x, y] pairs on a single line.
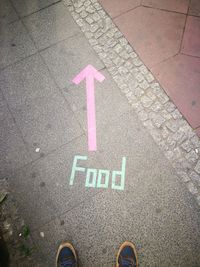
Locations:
{"points": [[66, 59], [25, 81], [7, 12], [13, 151], [41, 112], [15, 44], [26, 7], [51, 25], [52, 173], [97, 228]]}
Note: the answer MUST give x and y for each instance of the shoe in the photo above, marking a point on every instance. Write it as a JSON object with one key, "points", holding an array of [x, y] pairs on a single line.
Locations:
{"points": [[127, 255], [66, 256]]}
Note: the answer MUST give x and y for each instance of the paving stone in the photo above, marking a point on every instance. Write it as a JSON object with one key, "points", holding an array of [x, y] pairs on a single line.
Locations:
{"points": [[48, 26], [146, 101], [26, 80], [15, 44], [7, 12], [187, 146], [195, 177], [14, 153], [192, 188], [66, 59], [197, 168], [192, 156]]}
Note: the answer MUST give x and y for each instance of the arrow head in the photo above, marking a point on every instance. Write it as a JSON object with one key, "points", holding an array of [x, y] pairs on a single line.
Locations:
{"points": [[88, 71]]}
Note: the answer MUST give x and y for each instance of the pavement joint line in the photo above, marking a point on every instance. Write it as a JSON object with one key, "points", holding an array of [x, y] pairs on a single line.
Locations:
{"points": [[52, 4], [162, 9], [125, 12], [47, 154], [170, 131]]}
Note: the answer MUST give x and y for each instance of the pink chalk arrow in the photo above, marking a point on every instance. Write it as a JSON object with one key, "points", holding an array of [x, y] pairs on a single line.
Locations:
{"points": [[89, 74]]}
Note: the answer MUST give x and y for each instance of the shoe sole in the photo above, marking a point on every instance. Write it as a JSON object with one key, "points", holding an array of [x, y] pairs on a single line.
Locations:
{"points": [[64, 245], [125, 244]]}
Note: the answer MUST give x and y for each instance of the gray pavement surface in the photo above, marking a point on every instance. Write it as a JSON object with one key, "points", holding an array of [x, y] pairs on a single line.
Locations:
{"points": [[43, 126]]}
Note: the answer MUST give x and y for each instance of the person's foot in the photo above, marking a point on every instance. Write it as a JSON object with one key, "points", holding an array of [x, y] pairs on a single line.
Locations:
{"points": [[127, 255], [66, 256]]}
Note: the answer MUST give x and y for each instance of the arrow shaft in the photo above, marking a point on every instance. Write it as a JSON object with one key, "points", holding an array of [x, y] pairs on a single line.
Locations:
{"points": [[91, 113]]}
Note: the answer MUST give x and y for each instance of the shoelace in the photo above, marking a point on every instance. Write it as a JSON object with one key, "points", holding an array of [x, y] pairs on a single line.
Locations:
{"points": [[68, 263], [126, 262]]}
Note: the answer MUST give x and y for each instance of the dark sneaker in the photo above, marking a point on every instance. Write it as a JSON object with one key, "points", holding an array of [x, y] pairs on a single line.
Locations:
{"points": [[127, 255], [66, 256]]}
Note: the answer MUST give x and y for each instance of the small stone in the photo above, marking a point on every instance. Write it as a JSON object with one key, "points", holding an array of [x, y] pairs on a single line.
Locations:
{"points": [[125, 55], [176, 114], [89, 20], [96, 17], [118, 34], [98, 33], [197, 168], [183, 176], [146, 101], [155, 88], [90, 9], [144, 85], [187, 146], [151, 95], [163, 97], [137, 62], [156, 106], [94, 28], [137, 106], [149, 77], [37, 150], [192, 156], [143, 69], [97, 6], [83, 14], [196, 142], [172, 126], [138, 92], [118, 48], [198, 200], [139, 77], [80, 22], [42, 234], [193, 190], [195, 177], [123, 41], [158, 120]]}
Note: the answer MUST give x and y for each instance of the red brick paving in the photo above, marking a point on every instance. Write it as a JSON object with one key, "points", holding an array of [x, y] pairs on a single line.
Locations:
{"points": [[117, 7], [191, 40], [147, 31], [194, 8], [168, 42], [180, 76]]}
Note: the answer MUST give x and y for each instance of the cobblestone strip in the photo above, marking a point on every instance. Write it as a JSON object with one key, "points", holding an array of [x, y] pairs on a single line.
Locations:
{"points": [[158, 114]]}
